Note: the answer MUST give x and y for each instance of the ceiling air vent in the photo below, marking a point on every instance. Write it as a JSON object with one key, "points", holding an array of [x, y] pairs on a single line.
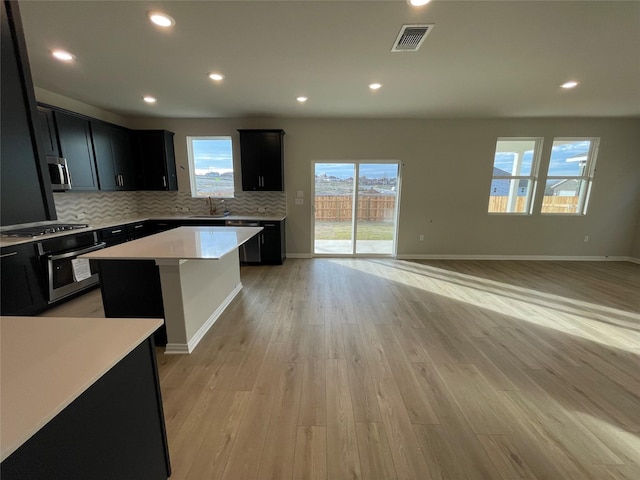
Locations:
{"points": [[411, 37]]}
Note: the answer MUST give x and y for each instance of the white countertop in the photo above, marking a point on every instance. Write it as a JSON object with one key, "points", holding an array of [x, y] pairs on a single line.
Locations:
{"points": [[183, 243], [47, 362]]}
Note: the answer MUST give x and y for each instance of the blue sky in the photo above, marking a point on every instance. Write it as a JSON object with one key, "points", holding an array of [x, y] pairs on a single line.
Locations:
{"points": [[212, 156], [369, 170], [558, 165]]}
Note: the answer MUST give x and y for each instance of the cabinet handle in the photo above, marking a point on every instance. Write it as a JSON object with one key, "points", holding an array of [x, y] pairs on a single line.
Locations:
{"points": [[121, 180], [262, 238], [10, 254], [269, 224], [164, 181], [138, 226], [113, 232]]}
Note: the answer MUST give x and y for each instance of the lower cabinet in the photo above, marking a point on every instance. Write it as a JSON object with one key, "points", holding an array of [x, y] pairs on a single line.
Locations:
{"points": [[21, 285], [272, 243], [115, 429]]}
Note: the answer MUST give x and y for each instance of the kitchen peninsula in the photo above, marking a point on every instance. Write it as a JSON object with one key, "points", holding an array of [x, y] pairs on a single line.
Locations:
{"points": [[187, 275], [81, 399]]}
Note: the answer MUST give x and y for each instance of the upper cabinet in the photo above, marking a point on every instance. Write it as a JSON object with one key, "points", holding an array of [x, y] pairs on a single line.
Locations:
{"points": [[76, 146], [25, 192], [113, 147], [262, 160], [47, 132], [157, 159]]}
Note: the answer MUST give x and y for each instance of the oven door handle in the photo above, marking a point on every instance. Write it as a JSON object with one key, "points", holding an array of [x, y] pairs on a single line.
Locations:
{"points": [[75, 253]]}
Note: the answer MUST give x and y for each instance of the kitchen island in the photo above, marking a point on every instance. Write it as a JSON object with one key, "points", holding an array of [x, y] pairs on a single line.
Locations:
{"points": [[80, 398], [187, 275]]}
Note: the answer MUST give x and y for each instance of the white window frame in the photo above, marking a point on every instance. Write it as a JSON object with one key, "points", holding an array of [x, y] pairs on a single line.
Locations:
{"points": [[192, 170], [515, 179], [586, 180]]}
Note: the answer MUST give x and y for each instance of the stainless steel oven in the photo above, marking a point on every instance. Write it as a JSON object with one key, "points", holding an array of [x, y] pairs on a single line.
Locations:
{"points": [[58, 254]]}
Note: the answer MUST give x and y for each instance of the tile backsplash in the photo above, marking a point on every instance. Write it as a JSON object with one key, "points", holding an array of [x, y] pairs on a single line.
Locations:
{"points": [[98, 206]]}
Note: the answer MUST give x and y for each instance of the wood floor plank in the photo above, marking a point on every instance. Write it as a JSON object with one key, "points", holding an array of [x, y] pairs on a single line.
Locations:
{"points": [[276, 462], [363, 394], [343, 459], [313, 408], [405, 449], [375, 455], [505, 457], [310, 461]]}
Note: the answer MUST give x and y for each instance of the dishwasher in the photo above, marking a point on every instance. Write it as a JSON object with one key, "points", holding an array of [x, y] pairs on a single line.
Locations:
{"points": [[249, 251]]}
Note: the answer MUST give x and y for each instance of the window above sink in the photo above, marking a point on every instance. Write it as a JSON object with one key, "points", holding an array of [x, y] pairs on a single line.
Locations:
{"points": [[211, 166]]}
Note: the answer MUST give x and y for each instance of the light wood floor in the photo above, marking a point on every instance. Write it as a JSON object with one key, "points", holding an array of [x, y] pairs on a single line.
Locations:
{"points": [[380, 369]]}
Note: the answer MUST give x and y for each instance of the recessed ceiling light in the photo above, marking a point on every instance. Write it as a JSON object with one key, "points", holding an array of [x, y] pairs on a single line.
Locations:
{"points": [[418, 3], [161, 19], [149, 99], [216, 76], [570, 84], [63, 55], [374, 86], [302, 99]]}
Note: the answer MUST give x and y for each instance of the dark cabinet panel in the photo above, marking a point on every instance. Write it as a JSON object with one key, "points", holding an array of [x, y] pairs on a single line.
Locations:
{"points": [[24, 189], [137, 230], [22, 291], [113, 149], [113, 235], [272, 243], [77, 147], [262, 160], [48, 133], [157, 160]]}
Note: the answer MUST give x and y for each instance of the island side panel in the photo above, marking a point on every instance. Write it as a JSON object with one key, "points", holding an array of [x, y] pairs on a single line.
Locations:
{"points": [[195, 293], [131, 289]]}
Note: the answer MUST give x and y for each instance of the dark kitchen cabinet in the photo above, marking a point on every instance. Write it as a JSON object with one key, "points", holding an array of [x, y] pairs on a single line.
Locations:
{"points": [[262, 160], [76, 146], [25, 190], [47, 132], [157, 160], [137, 230], [272, 243], [113, 235], [21, 287], [113, 147]]}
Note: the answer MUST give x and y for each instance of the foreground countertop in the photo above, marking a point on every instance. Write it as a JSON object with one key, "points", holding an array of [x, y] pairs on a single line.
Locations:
{"points": [[47, 362], [183, 243]]}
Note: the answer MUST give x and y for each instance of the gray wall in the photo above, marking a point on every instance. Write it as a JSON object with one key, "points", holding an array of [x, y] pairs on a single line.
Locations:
{"points": [[446, 177], [635, 245]]}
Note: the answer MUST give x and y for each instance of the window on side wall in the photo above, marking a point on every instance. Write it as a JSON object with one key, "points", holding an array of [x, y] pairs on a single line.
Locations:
{"points": [[210, 166], [515, 168], [570, 175]]}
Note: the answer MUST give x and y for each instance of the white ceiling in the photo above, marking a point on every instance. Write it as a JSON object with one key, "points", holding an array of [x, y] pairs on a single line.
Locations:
{"points": [[482, 59]]}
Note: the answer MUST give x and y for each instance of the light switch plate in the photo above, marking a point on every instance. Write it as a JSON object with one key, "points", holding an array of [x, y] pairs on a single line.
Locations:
{"points": [[299, 194]]}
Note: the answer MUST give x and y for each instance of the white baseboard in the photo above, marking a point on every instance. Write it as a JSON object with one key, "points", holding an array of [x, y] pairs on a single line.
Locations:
{"points": [[299, 255], [182, 348], [633, 260], [557, 258]]}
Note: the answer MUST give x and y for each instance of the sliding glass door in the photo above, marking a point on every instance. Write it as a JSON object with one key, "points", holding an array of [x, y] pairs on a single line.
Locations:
{"points": [[355, 208]]}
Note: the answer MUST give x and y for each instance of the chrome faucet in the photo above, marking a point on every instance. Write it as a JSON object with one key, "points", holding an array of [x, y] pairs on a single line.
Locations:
{"points": [[212, 206]]}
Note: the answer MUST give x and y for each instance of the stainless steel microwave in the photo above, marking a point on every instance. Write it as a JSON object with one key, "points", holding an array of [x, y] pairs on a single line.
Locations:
{"points": [[59, 173]]}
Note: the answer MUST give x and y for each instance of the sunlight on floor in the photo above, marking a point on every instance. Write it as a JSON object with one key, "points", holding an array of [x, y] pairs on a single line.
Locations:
{"points": [[597, 323]]}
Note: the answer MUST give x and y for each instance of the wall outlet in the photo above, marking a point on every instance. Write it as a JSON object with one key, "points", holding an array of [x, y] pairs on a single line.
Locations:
{"points": [[262, 209], [80, 216], [299, 201], [586, 239], [421, 238], [184, 209]]}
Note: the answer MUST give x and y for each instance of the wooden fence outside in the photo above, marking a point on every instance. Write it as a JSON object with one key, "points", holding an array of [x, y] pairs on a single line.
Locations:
{"points": [[381, 208], [550, 204], [338, 208]]}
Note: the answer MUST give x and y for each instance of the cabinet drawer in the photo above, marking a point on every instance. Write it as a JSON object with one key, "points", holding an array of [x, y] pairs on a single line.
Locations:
{"points": [[114, 235]]}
